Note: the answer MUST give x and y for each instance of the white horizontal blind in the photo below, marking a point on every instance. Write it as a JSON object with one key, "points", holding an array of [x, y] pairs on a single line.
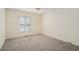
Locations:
{"points": [[24, 24]]}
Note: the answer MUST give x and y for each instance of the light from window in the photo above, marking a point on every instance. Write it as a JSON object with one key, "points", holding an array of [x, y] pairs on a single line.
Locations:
{"points": [[24, 24]]}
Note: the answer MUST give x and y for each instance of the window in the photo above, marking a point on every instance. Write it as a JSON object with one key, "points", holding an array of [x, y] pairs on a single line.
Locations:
{"points": [[24, 24]]}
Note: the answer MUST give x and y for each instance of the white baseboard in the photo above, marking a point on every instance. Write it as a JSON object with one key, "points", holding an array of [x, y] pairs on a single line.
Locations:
{"points": [[76, 44], [23, 36]]}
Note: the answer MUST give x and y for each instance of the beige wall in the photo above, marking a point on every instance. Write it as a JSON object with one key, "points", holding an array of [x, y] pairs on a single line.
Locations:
{"points": [[62, 24], [2, 26], [13, 27]]}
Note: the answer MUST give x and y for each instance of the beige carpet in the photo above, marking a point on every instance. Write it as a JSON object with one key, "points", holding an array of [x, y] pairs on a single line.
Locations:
{"points": [[37, 43]]}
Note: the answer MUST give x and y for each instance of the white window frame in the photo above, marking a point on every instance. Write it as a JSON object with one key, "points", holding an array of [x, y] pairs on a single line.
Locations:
{"points": [[25, 24]]}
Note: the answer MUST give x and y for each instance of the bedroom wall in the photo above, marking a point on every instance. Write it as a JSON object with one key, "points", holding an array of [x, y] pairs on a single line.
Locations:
{"points": [[2, 26], [13, 26], [62, 24]]}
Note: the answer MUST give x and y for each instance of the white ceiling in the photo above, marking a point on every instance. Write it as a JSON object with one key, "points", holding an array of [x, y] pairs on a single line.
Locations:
{"points": [[43, 10], [25, 9]]}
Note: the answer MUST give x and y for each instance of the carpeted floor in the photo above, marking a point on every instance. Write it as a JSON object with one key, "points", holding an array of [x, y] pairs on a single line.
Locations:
{"points": [[37, 43]]}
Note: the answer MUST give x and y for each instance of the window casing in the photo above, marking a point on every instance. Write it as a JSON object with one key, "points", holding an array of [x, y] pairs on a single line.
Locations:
{"points": [[24, 24]]}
